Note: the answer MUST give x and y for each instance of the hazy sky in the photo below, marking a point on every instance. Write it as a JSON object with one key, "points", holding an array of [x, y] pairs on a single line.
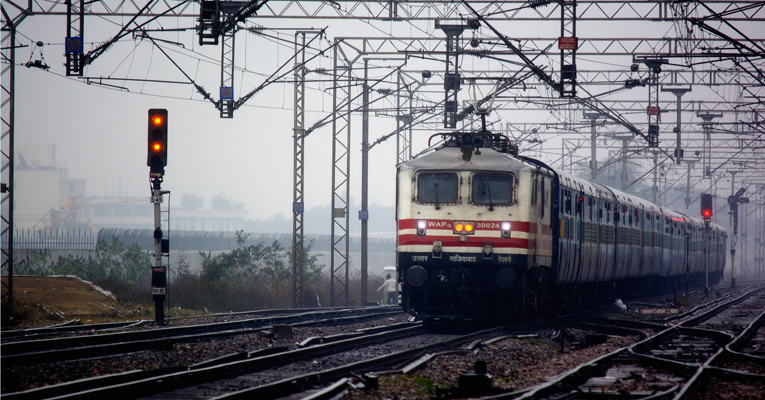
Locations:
{"points": [[100, 131]]}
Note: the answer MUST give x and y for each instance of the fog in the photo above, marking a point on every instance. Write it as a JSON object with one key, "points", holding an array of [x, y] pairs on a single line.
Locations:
{"points": [[99, 125]]}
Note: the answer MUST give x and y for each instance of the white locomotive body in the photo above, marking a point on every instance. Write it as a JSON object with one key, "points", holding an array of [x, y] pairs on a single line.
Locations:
{"points": [[485, 234]]}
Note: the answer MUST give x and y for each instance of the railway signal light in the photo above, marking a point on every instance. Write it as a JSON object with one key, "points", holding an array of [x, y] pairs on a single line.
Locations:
{"points": [[706, 206], [156, 158]]}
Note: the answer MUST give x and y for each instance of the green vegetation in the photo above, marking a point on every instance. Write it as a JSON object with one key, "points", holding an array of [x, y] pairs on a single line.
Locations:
{"points": [[249, 277], [422, 386]]}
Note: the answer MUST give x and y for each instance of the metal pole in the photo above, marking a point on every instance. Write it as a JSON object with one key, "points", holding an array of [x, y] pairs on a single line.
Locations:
{"points": [[298, 204], [593, 117], [678, 92], [734, 228], [706, 256], [157, 292], [8, 218], [364, 184], [593, 150], [655, 178], [679, 151], [688, 187], [624, 140]]}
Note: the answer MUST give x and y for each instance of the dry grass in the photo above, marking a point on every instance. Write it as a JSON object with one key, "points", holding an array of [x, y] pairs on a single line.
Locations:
{"points": [[50, 300]]}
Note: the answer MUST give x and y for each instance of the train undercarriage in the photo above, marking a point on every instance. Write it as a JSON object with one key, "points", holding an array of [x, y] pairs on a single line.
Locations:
{"points": [[457, 295]]}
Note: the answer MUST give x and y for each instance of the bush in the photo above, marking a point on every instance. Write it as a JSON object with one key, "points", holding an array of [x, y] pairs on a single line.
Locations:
{"points": [[249, 277]]}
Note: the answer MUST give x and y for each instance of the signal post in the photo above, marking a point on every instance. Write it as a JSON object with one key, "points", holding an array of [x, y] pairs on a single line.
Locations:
{"points": [[706, 213], [157, 160]]}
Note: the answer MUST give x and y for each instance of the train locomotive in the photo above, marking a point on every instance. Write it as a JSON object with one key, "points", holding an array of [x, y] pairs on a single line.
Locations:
{"points": [[486, 234]]}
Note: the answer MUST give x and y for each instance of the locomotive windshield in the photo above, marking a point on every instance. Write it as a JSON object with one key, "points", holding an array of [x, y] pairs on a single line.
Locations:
{"points": [[492, 189], [437, 187]]}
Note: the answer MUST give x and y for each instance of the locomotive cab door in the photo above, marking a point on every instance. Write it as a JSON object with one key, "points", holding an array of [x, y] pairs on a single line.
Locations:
{"points": [[543, 248]]}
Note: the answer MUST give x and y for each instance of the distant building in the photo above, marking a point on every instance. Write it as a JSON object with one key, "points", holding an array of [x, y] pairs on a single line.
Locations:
{"points": [[138, 213], [46, 197], [41, 189]]}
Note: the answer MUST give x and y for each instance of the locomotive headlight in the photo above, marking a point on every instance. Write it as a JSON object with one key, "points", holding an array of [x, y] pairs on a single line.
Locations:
{"points": [[422, 227], [459, 227], [505, 230], [416, 275], [468, 227]]}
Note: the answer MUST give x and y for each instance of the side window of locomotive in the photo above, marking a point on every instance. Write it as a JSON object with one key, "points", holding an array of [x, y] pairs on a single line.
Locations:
{"points": [[437, 187], [492, 189]]}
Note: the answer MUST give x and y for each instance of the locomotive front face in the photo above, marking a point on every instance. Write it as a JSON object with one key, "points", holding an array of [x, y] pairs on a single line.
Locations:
{"points": [[465, 234]]}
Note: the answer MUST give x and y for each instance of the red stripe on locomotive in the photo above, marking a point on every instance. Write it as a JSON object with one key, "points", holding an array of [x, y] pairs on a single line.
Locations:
{"points": [[454, 241]]}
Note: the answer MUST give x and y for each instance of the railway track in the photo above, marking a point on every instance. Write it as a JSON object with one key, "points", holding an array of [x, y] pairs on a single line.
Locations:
{"points": [[680, 362], [75, 326], [79, 347], [717, 344], [270, 373], [146, 383]]}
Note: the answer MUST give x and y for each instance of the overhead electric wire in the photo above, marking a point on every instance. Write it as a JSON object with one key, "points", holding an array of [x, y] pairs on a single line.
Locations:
{"points": [[199, 88]]}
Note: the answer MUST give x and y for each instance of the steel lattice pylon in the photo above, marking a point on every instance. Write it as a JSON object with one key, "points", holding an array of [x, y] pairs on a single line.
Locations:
{"points": [[759, 233], [226, 104], [404, 119], [75, 29], [298, 247], [568, 45], [8, 103], [341, 167]]}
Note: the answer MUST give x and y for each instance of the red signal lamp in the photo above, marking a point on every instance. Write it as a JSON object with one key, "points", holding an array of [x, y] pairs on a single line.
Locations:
{"points": [[707, 213], [157, 140]]}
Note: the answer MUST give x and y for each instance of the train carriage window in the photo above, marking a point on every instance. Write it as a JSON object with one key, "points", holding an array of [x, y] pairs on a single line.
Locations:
{"points": [[568, 202], [492, 189], [437, 187]]}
